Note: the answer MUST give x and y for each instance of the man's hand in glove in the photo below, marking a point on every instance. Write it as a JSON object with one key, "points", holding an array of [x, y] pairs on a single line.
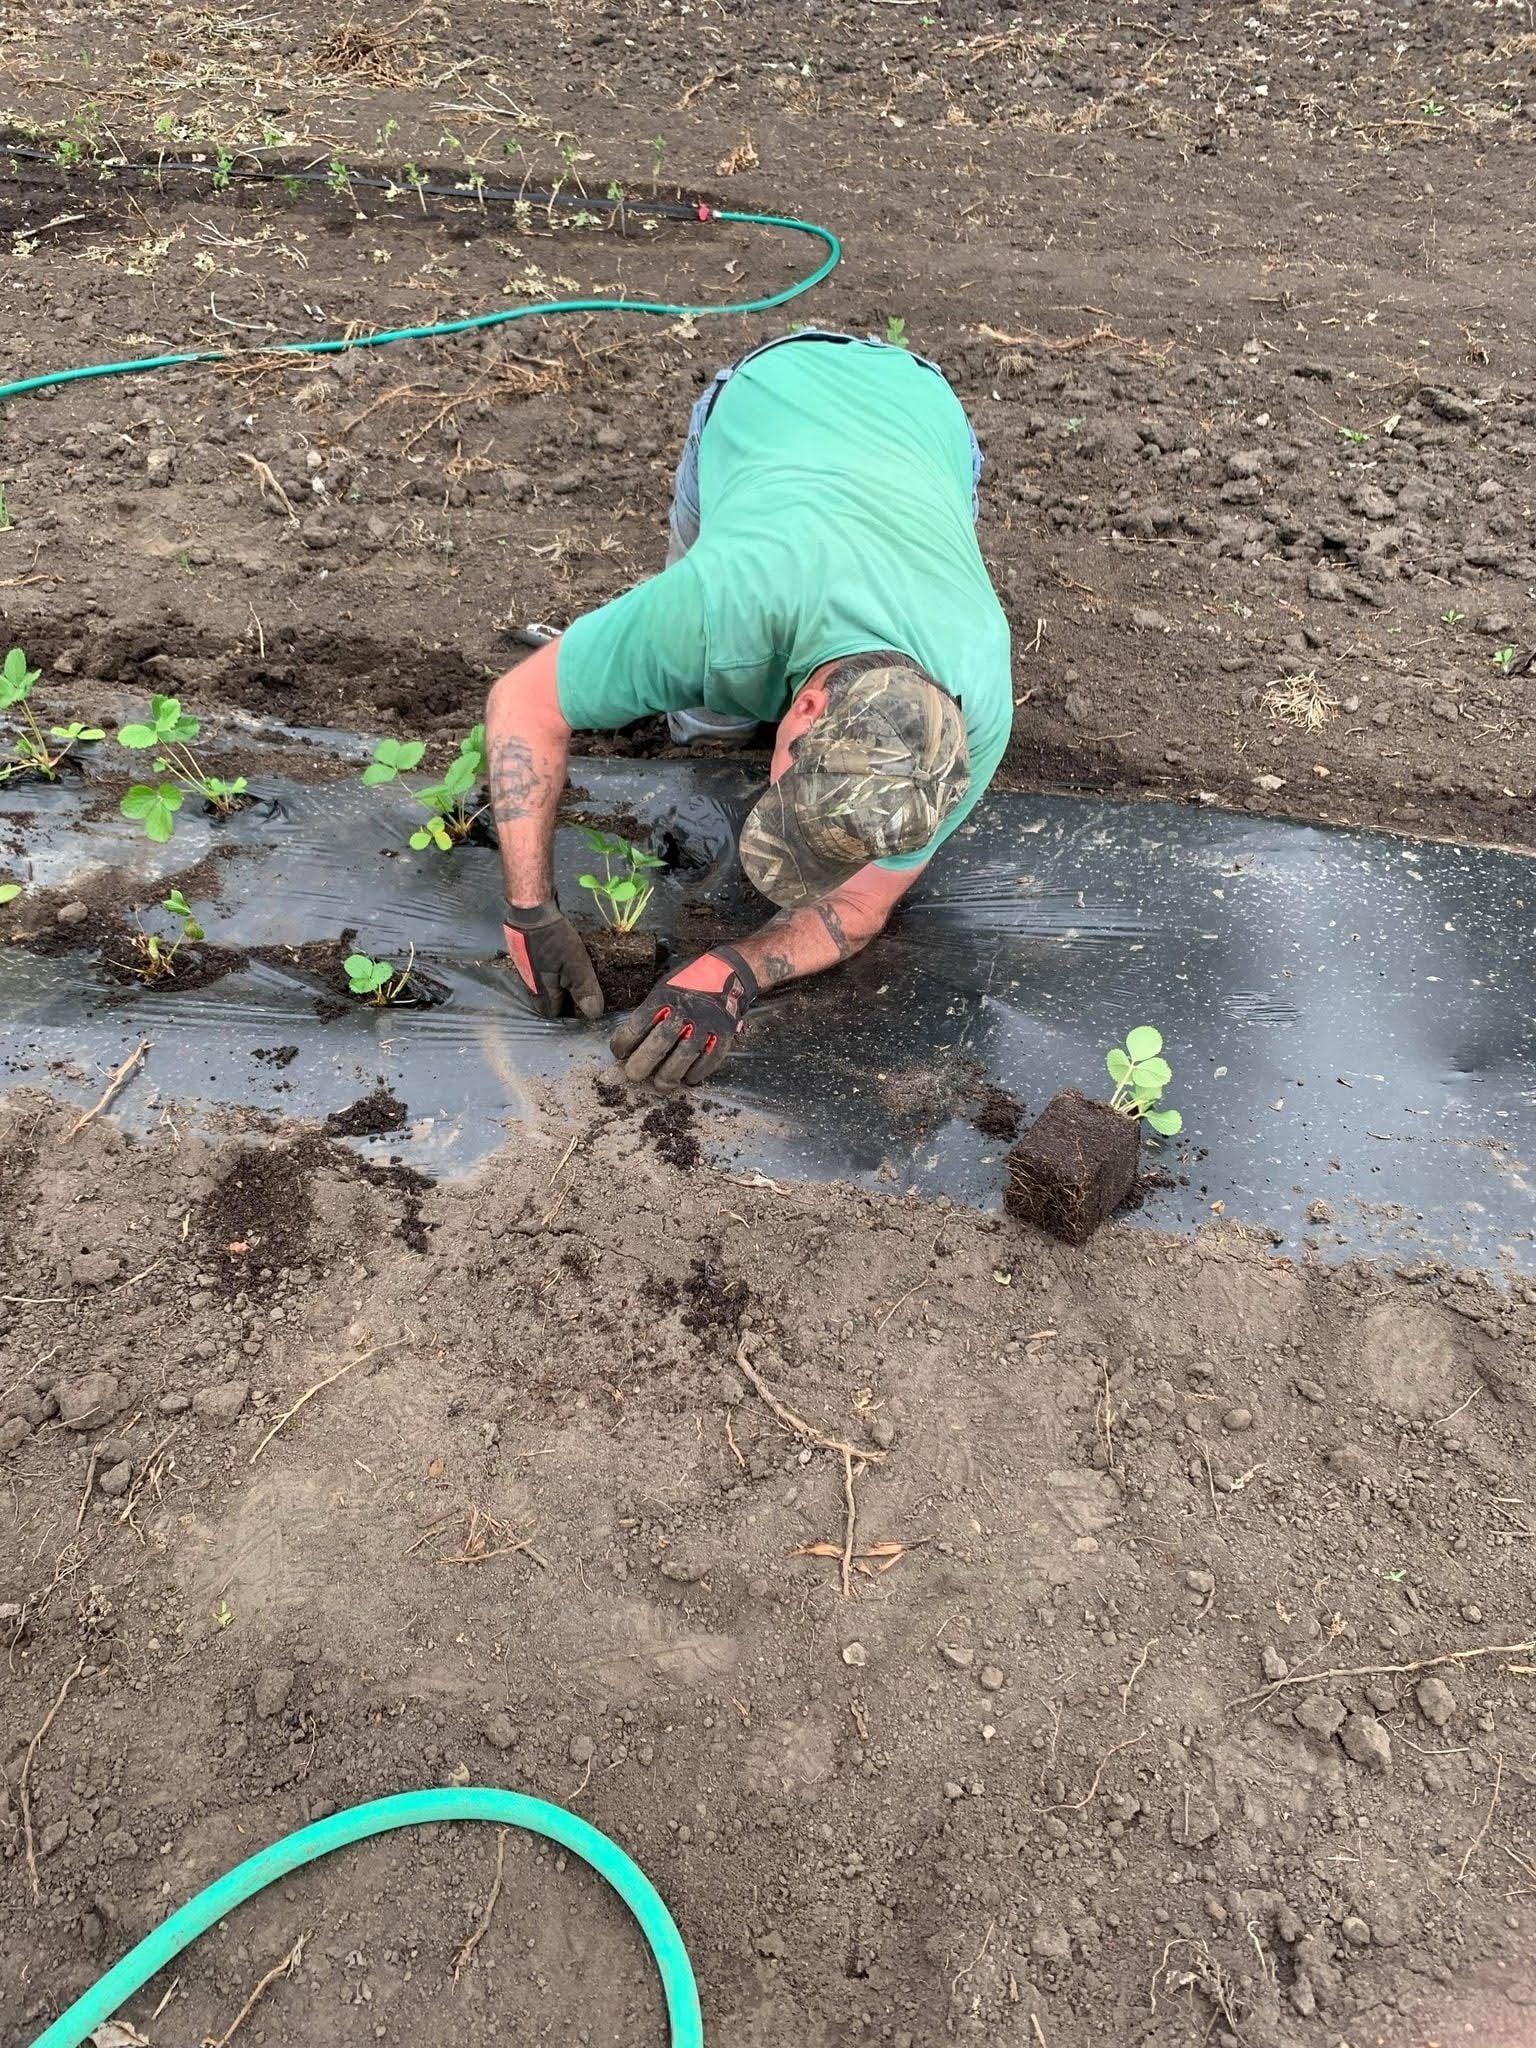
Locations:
{"points": [[688, 1023], [551, 961]]}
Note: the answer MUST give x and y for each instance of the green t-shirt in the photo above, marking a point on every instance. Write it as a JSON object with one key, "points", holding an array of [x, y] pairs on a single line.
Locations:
{"points": [[835, 518]]}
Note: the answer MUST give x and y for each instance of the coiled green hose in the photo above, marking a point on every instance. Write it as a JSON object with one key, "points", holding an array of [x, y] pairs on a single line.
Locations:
{"points": [[440, 328], [378, 1817]]}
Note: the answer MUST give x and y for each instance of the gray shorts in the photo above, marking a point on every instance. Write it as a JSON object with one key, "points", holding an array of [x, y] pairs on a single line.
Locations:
{"points": [[683, 520]]}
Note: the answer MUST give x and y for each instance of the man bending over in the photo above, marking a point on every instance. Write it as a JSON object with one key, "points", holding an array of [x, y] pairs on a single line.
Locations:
{"points": [[823, 577]]}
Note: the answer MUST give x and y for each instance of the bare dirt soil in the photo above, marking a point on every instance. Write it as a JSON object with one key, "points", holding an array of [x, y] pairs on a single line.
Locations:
{"points": [[1182, 1688]]}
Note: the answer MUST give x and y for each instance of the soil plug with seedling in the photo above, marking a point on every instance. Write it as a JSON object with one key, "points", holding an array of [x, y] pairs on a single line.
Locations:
{"points": [[626, 959], [155, 804], [451, 804], [378, 981], [32, 753], [157, 960], [1077, 1162]]}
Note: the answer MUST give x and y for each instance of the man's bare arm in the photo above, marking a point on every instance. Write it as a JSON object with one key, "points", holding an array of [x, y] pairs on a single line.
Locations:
{"points": [[825, 933], [527, 749]]}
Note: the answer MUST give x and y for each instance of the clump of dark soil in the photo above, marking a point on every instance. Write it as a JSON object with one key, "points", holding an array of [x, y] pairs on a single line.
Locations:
{"points": [[627, 964], [1073, 1167], [412, 1186], [259, 1216], [671, 1129], [997, 1114], [713, 1303], [370, 1116]]}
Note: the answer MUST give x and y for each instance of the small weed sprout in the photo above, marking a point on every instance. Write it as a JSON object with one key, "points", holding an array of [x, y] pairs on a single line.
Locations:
{"points": [[9, 891], [32, 749], [658, 149], [5, 512], [450, 804], [621, 896], [1505, 659], [1355, 435], [157, 961], [224, 163], [377, 981], [1074, 425], [1452, 617], [895, 331], [155, 804], [1140, 1075], [339, 178]]}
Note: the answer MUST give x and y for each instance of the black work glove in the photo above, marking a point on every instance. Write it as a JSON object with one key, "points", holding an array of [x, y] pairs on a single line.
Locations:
{"points": [[551, 961], [688, 1023]]}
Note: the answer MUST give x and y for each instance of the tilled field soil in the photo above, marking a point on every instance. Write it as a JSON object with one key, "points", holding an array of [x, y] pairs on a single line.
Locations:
{"points": [[1183, 1692], [1183, 1689]]}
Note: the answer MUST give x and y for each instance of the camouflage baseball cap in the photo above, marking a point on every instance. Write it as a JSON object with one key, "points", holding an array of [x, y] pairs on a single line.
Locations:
{"points": [[876, 775]]}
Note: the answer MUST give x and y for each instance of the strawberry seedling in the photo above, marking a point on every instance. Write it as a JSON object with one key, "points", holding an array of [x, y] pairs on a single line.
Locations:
{"points": [[377, 981], [1140, 1075], [621, 896], [31, 749], [157, 960], [450, 804], [155, 804]]}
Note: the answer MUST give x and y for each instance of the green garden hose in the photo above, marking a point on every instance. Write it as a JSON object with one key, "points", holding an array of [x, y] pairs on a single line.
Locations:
{"points": [[438, 329], [377, 1817]]}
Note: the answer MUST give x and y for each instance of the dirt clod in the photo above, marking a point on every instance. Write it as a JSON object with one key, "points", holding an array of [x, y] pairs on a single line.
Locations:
{"points": [[89, 1400]]}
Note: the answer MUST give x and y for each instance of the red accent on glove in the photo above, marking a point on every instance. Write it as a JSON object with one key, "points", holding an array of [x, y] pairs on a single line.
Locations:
{"points": [[517, 952]]}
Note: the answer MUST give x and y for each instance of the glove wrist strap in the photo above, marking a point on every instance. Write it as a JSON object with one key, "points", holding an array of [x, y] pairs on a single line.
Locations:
{"points": [[530, 917], [749, 982]]}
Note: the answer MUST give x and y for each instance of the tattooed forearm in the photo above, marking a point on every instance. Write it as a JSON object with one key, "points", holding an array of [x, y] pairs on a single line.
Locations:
{"points": [[527, 743], [837, 932], [516, 783], [808, 940]]}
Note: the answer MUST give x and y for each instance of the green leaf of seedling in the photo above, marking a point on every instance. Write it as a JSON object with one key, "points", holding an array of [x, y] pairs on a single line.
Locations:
{"points": [[472, 748], [137, 736], [639, 860], [221, 793], [170, 721], [1143, 1042], [9, 891], [155, 805], [392, 758], [592, 882], [1152, 1076], [16, 679], [77, 734], [1166, 1122], [459, 776], [366, 977], [177, 904], [624, 890], [604, 842], [1119, 1065]]}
